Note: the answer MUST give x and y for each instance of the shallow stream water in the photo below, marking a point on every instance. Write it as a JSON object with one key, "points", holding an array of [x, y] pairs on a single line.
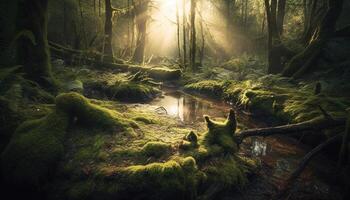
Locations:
{"points": [[279, 156]]}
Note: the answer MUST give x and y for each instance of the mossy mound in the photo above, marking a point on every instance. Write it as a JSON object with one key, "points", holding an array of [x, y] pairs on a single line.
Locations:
{"points": [[156, 149], [210, 88], [133, 92], [124, 90], [159, 73], [227, 172], [37, 145], [169, 180], [222, 134], [35, 149], [90, 114]]}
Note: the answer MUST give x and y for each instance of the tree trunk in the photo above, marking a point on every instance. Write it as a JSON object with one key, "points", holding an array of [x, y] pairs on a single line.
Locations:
{"points": [[274, 41], [301, 63], [33, 52], [280, 15], [178, 30], [184, 27], [108, 50], [193, 49], [141, 24]]}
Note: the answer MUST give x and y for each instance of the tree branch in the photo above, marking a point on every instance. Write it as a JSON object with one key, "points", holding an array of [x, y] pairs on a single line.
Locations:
{"points": [[299, 128]]}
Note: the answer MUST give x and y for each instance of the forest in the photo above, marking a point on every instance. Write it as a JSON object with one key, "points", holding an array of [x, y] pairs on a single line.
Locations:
{"points": [[175, 99]]}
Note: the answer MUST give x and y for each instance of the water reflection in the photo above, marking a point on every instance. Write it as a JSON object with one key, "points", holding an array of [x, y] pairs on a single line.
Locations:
{"points": [[189, 109], [259, 147]]}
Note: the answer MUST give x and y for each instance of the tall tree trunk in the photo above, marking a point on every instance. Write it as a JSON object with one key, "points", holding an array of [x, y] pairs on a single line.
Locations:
{"points": [[178, 30], [193, 49], [83, 23], [33, 52], [141, 24], [274, 41], [280, 15], [184, 31], [108, 50], [298, 65]]}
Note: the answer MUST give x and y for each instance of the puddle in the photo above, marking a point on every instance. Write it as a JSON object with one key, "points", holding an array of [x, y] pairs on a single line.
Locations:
{"points": [[279, 155]]}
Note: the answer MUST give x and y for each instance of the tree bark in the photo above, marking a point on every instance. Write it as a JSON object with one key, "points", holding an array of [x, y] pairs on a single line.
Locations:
{"points": [[108, 50], [184, 35], [178, 31], [274, 41], [301, 63], [33, 52], [280, 15], [193, 49], [141, 11], [311, 125]]}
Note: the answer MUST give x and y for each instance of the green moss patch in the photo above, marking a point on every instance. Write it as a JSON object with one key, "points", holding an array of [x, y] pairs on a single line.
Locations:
{"points": [[37, 145], [276, 96]]}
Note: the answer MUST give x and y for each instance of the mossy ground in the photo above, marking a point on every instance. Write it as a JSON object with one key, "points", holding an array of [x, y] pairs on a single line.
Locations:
{"points": [[276, 96], [147, 164], [105, 84]]}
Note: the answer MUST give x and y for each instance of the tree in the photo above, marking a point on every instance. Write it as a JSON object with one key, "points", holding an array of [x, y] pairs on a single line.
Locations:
{"points": [[141, 12], [326, 29], [193, 45], [107, 46], [33, 52], [275, 12], [184, 31]]}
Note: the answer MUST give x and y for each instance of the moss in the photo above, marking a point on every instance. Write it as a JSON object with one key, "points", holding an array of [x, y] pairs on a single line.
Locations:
{"points": [[134, 92], [145, 120], [169, 180], [226, 173], [34, 150], [221, 134], [158, 73], [210, 88], [37, 145], [156, 149], [124, 90], [90, 114]]}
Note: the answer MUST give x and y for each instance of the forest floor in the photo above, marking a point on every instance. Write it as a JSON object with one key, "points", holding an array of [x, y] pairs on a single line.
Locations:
{"points": [[156, 152]]}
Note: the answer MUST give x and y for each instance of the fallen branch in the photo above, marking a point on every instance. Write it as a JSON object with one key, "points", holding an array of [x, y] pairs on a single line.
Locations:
{"points": [[299, 128], [304, 162]]}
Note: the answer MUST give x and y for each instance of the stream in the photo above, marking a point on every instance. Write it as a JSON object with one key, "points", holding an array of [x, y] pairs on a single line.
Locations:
{"points": [[279, 156]]}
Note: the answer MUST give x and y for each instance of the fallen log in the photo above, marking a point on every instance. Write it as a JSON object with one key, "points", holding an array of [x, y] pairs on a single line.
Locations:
{"points": [[311, 125], [94, 59]]}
